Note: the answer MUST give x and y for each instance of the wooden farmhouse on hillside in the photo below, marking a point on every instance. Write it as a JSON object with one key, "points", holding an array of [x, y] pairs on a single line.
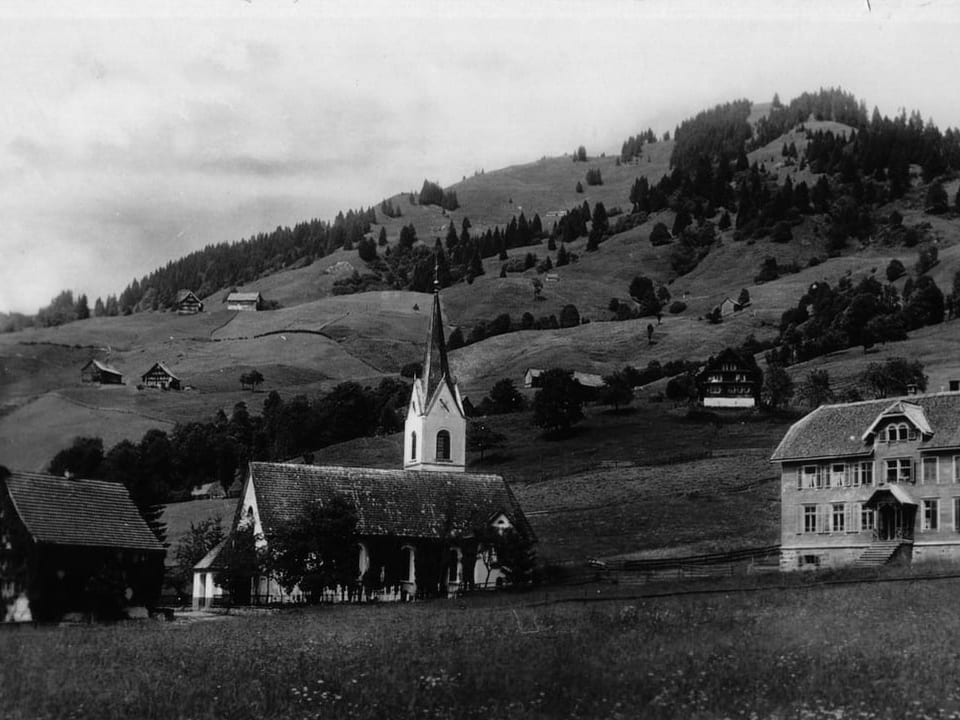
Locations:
{"points": [[188, 303], [97, 372], [244, 301], [70, 545], [531, 378], [427, 530], [863, 483], [728, 306], [159, 376], [730, 380]]}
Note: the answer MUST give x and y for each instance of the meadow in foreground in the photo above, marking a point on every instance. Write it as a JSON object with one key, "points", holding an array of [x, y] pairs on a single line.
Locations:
{"points": [[885, 650]]}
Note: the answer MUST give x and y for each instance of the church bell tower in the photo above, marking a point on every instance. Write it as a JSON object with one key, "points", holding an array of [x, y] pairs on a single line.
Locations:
{"points": [[435, 433]]}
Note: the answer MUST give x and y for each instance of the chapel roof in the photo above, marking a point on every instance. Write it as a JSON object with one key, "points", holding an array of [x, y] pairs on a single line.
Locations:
{"points": [[94, 513], [402, 503], [847, 429]]}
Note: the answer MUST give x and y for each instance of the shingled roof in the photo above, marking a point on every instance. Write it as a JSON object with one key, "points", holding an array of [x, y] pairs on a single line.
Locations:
{"points": [[841, 430], [402, 503], [93, 513]]}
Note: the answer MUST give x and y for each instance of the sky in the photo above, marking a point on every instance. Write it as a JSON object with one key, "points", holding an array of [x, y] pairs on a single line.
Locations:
{"points": [[134, 133]]}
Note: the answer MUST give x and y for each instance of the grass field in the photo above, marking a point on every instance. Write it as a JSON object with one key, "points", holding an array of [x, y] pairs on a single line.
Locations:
{"points": [[860, 651]]}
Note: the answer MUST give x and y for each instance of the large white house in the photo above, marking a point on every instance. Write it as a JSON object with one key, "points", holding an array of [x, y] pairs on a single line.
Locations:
{"points": [[870, 482]]}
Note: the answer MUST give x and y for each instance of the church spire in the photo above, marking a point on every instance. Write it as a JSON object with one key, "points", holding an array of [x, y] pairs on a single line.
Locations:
{"points": [[435, 366]]}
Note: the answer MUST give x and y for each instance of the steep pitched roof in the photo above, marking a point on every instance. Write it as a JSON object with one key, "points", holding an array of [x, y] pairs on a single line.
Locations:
{"points": [[101, 367], [436, 369], [389, 502], [185, 294], [838, 430], [93, 513], [159, 365]]}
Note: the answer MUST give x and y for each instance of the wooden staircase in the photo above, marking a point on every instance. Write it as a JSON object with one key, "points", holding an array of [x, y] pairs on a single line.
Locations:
{"points": [[879, 553]]}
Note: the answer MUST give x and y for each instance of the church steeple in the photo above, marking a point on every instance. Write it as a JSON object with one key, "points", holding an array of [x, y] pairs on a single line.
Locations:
{"points": [[435, 429]]}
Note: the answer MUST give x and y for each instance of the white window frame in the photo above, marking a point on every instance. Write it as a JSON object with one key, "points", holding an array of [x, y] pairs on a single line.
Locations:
{"points": [[898, 463], [956, 513], [931, 520], [956, 468], [811, 481], [837, 479], [810, 517], [838, 511], [868, 518]]}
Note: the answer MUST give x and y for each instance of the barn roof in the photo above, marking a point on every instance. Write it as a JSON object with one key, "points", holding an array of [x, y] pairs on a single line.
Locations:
{"points": [[93, 513], [101, 367], [243, 297], [403, 503], [163, 368], [838, 430], [184, 294]]}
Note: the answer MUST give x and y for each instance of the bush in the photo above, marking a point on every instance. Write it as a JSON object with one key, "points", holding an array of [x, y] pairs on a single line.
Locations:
{"points": [[677, 306], [660, 235], [593, 177]]}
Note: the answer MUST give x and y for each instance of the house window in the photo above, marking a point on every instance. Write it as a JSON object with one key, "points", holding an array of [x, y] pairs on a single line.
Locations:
{"points": [[866, 473], [899, 470], [443, 445], [811, 476], [839, 514], [930, 470], [931, 511], [837, 472], [867, 518], [956, 514], [413, 445], [956, 468], [809, 518]]}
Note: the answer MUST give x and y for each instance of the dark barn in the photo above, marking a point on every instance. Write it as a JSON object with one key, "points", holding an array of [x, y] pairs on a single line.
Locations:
{"points": [[73, 546]]}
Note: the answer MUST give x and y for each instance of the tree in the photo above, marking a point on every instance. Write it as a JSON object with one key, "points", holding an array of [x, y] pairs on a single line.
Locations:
{"points": [[579, 187], [816, 389], [894, 377], [252, 378], [557, 405], [744, 298], [481, 438], [777, 387], [569, 316], [202, 537], [895, 270], [537, 288], [316, 550], [82, 459], [241, 562], [937, 200], [617, 390], [504, 398], [650, 334], [660, 235], [580, 155]]}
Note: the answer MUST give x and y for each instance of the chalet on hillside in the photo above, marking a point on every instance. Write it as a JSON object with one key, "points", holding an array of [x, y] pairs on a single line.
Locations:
{"points": [[728, 307], [97, 372], [208, 491], [867, 482], [730, 380], [73, 546], [244, 301], [159, 376], [531, 378], [188, 303]]}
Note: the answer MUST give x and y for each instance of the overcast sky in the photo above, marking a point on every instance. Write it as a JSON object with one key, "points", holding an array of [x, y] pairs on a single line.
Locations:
{"points": [[129, 138]]}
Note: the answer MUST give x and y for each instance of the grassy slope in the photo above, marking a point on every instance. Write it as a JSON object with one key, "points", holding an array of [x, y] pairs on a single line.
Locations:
{"points": [[862, 651]]}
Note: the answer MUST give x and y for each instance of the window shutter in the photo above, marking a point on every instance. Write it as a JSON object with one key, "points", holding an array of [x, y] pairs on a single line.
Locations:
{"points": [[799, 472], [849, 508], [800, 527], [824, 512]]}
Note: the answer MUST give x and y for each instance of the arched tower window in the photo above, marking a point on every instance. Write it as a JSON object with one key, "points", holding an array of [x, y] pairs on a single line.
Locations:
{"points": [[443, 445], [413, 445]]}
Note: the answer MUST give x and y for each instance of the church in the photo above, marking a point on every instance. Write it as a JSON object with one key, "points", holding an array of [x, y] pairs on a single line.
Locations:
{"points": [[430, 529]]}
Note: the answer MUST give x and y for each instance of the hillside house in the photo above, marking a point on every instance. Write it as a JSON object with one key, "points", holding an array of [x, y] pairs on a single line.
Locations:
{"points": [[531, 378], [429, 529], [730, 380], [863, 483], [188, 303], [208, 491], [64, 542], [728, 306], [244, 301], [159, 376], [97, 372]]}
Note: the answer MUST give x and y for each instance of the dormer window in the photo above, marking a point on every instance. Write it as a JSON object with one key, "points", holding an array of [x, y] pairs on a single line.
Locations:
{"points": [[900, 432]]}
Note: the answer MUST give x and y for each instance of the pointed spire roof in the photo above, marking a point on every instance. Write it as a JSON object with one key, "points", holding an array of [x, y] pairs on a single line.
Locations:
{"points": [[435, 366]]}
